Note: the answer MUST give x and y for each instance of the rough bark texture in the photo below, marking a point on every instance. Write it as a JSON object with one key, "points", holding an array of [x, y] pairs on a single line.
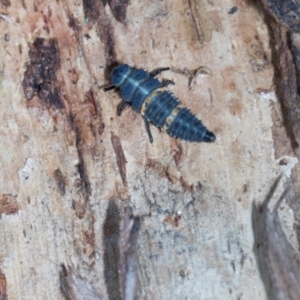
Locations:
{"points": [[69, 165]]}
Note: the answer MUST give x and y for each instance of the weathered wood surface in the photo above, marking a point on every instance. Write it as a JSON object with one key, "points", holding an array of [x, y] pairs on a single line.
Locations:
{"points": [[69, 165]]}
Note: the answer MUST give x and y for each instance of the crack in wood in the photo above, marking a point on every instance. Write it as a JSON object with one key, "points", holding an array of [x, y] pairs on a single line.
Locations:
{"points": [[121, 160]]}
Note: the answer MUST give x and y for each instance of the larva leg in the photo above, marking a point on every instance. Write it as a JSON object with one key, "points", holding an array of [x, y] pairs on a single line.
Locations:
{"points": [[167, 82], [158, 71], [121, 107], [147, 124], [108, 88]]}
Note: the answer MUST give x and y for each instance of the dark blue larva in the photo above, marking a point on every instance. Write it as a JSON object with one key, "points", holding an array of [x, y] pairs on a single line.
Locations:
{"points": [[159, 106]]}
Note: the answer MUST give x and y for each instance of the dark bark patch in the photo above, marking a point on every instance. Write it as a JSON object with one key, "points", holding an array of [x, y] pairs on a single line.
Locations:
{"points": [[81, 166], [119, 9], [8, 205], [84, 179], [5, 3], [106, 33], [60, 181], [91, 10], [285, 12], [82, 184], [121, 160], [101, 128], [187, 187], [89, 99], [286, 57], [288, 84], [177, 154], [40, 75]]}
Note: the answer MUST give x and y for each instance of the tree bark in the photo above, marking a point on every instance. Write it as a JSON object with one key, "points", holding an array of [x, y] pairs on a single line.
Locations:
{"points": [[69, 164]]}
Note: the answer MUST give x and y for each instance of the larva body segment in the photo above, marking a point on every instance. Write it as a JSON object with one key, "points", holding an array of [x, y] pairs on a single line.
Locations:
{"points": [[157, 105]]}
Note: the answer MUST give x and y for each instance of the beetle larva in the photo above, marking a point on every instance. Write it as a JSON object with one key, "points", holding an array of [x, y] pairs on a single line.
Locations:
{"points": [[157, 105]]}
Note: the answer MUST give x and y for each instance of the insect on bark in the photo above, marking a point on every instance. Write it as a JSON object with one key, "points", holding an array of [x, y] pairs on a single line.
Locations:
{"points": [[157, 105]]}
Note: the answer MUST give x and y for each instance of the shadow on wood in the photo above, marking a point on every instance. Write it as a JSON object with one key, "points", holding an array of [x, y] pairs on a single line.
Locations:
{"points": [[111, 235], [260, 237]]}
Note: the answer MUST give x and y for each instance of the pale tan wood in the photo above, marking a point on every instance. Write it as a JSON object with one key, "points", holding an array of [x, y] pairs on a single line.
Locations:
{"points": [[58, 213]]}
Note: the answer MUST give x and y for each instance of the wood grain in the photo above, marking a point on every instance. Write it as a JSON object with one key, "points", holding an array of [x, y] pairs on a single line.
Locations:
{"points": [[69, 164]]}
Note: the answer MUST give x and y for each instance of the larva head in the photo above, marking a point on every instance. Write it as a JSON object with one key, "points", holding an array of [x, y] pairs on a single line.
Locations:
{"points": [[119, 74]]}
